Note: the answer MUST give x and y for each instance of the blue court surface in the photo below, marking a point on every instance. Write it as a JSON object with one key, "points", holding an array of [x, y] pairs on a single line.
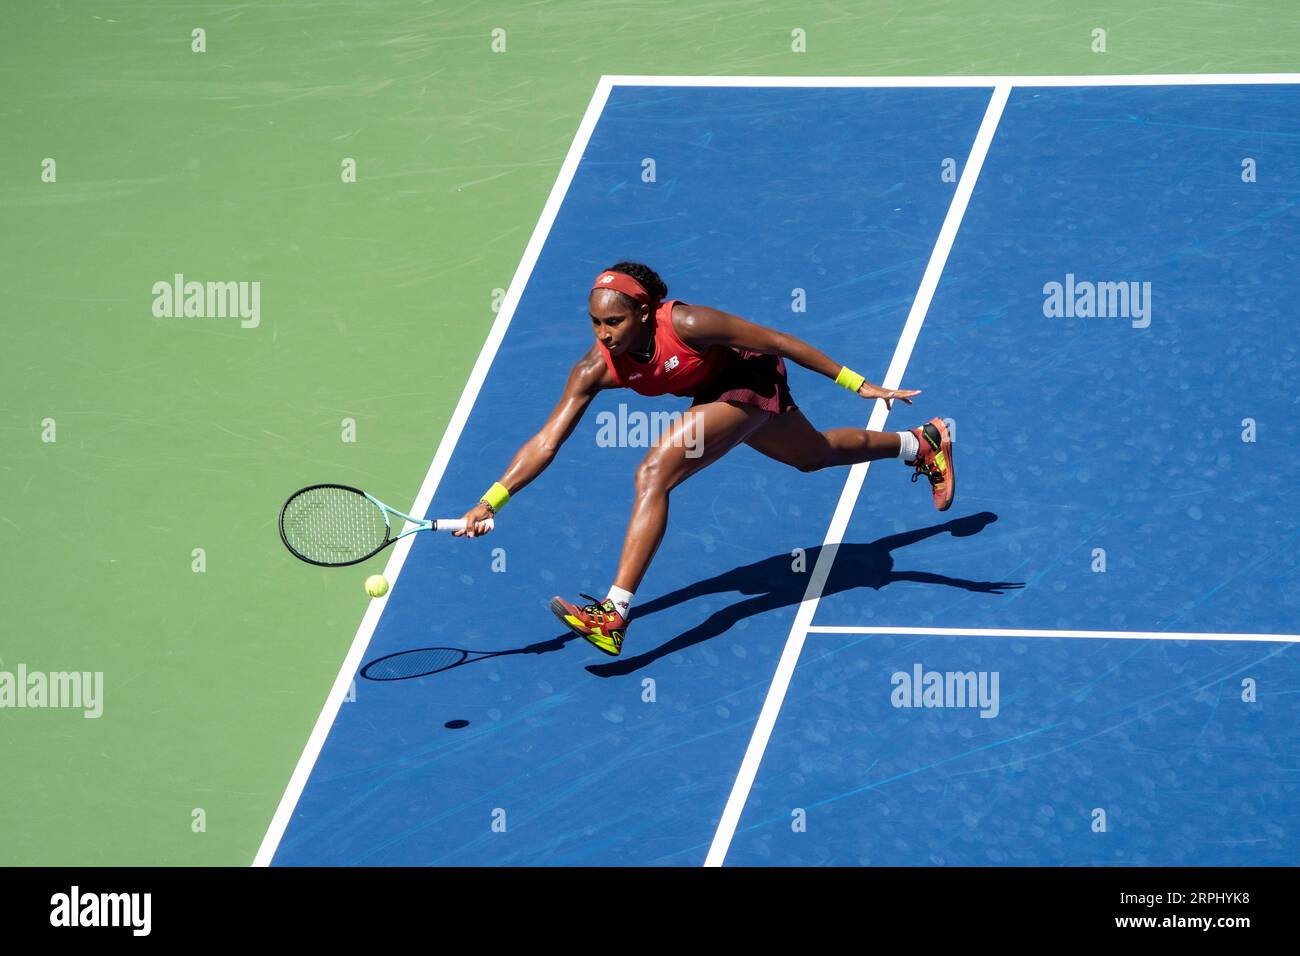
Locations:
{"points": [[1128, 473]]}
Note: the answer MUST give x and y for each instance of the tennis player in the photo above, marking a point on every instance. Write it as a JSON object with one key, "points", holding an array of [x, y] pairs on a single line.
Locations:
{"points": [[734, 372]]}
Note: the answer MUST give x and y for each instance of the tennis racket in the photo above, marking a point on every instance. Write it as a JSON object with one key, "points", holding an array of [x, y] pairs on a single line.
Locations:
{"points": [[333, 526]]}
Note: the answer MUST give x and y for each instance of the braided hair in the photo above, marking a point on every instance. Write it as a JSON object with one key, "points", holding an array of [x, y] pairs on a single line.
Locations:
{"points": [[646, 276]]}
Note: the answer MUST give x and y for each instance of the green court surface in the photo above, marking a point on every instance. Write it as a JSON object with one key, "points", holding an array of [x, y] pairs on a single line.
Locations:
{"points": [[177, 434]]}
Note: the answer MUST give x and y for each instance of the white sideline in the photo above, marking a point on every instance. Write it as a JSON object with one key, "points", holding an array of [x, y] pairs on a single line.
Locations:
{"points": [[853, 485], [446, 447]]}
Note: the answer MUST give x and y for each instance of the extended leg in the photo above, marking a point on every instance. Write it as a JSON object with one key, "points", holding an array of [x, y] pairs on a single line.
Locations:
{"points": [[704, 434], [792, 440]]}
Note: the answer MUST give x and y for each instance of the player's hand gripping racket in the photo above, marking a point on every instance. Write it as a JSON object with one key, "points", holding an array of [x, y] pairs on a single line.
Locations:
{"points": [[334, 525]]}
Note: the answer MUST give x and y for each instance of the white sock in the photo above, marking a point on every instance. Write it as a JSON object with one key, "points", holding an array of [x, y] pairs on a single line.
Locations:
{"points": [[908, 446], [622, 600]]}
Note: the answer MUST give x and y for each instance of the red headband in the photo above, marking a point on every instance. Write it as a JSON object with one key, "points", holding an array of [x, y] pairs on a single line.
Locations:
{"points": [[621, 282]]}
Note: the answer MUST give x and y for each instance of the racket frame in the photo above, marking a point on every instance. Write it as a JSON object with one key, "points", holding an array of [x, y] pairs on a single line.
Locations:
{"points": [[420, 524]]}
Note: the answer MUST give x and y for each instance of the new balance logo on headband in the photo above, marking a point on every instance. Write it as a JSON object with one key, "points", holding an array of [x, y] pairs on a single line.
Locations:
{"points": [[623, 283]]}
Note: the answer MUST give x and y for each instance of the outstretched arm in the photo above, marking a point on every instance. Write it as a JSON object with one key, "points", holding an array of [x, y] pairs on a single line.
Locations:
{"points": [[701, 326], [588, 377]]}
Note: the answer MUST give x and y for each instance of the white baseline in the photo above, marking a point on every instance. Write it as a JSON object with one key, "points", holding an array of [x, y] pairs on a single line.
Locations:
{"points": [[1135, 79]]}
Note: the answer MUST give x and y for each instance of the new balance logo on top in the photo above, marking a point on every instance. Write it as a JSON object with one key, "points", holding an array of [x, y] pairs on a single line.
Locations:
{"points": [[670, 364], [634, 375]]}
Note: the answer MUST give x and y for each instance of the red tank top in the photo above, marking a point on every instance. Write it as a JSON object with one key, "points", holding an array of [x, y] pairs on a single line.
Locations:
{"points": [[675, 367]]}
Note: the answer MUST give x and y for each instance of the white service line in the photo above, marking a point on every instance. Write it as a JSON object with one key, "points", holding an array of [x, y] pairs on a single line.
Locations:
{"points": [[853, 485], [446, 447], [1020, 632]]}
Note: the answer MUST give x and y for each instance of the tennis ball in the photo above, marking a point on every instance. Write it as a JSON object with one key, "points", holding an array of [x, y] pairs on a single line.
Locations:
{"points": [[376, 585]]}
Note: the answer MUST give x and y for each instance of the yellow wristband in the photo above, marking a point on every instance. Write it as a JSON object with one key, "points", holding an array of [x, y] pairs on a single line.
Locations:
{"points": [[496, 496], [849, 379]]}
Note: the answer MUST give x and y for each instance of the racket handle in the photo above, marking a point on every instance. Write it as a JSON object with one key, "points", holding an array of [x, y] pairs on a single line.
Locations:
{"points": [[457, 524]]}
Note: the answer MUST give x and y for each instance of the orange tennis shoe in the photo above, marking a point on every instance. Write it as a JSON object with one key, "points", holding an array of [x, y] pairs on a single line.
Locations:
{"points": [[598, 622], [934, 461]]}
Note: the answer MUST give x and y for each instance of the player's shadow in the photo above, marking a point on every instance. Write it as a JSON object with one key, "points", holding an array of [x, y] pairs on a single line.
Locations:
{"points": [[775, 584]]}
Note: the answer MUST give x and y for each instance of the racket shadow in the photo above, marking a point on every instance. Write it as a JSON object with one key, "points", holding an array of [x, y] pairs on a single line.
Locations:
{"points": [[427, 661], [774, 586]]}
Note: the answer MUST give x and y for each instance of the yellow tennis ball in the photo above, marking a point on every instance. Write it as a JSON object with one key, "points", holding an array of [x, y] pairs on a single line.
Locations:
{"points": [[376, 585]]}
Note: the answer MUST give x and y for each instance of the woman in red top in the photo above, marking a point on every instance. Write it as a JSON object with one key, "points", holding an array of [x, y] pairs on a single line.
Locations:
{"points": [[734, 371]]}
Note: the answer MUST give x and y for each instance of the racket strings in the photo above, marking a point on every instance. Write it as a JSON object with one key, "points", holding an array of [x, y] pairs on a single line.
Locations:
{"points": [[334, 525]]}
